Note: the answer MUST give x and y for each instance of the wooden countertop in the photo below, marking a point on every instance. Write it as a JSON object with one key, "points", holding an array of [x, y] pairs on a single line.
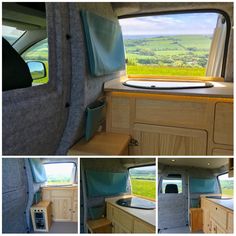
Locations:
{"points": [[220, 89], [71, 187], [42, 204], [226, 203], [148, 216]]}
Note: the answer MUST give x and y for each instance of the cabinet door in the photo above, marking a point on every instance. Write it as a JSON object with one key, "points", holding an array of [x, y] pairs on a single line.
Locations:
{"points": [[119, 229], [75, 211], [62, 208], [163, 140]]}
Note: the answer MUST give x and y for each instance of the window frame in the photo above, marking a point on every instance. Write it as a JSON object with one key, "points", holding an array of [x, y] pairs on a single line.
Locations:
{"points": [[74, 177], [202, 10]]}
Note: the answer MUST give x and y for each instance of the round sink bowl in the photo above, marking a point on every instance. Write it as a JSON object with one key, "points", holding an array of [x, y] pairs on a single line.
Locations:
{"points": [[152, 84], [135, 202]]}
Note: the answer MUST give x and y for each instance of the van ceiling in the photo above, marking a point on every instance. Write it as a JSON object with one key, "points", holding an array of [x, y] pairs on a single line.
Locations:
{"points": [[24, 16], [195, 162]]}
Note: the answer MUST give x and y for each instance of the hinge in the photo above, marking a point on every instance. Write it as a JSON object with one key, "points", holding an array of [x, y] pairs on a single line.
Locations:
{"points": [[133, 142]]}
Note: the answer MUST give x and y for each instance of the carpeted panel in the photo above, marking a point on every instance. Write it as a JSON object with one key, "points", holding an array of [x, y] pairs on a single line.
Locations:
{"points": [[14, 196]]}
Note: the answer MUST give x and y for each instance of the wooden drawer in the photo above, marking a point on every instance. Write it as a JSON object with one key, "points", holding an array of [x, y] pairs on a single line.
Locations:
{"points": [[222, 152], [75, 195], [124, 219], [230, 223], [219, 215], [172, 113], [62, 193], [142, 227], [223, 128]]}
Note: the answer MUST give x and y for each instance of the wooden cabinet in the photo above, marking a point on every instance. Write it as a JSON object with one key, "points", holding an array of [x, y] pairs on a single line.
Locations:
{"points": [[64, 202], [223, 128], [172, 124], [161, 140], [41, 223], [123, 222], [216, 218]]}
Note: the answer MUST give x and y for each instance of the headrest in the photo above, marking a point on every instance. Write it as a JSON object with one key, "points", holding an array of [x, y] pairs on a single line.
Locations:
{"points": [[15, 72], [171, 188]]}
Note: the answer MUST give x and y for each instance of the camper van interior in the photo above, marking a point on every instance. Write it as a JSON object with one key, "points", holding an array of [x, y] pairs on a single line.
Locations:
{"points": [[118, 195], [39, 195], [69, 88], [195, 195]]}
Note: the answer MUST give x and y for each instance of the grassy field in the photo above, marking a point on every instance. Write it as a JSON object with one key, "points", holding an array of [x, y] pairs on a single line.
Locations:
{"points": [[145, 188], [168, 55], [226, 191], [155, 70]]}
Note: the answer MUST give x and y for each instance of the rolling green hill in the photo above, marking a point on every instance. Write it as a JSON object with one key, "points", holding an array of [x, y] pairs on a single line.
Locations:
{"points": [[168, 55]]}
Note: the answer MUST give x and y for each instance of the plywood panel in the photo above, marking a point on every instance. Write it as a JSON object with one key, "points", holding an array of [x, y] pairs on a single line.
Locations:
{"points": [[120, 112], [161, 140], [141, 227], [223, 128], [222, 152], [171, 113]]}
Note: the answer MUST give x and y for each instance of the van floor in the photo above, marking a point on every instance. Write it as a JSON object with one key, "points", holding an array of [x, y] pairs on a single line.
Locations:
{"points": [[177, 230], [63, 228]]}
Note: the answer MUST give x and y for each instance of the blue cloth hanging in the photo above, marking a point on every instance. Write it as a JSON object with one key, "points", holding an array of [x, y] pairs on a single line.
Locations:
{"points": [[104, 43]]}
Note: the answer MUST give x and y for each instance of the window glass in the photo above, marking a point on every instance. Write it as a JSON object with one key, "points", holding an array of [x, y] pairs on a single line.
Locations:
{"points": [[143, 181], [60, 173], [175, 44], [38, 53], [171, 185], [227, 184], [11, 34]]}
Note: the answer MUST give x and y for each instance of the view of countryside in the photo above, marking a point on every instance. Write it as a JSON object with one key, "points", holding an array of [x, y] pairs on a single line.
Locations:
{"points": [[143, 181], [168, 44]]}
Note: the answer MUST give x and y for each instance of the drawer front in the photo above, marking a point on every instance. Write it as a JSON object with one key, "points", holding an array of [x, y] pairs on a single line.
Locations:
{"points": [[222, 152], [123, 219], [171, 113], [219, 215], [75, 194], [223, 128], [142, 227]]}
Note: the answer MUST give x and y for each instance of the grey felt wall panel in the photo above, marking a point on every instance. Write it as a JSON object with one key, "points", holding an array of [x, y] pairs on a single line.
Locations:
{"points": [[85, 88], [34, 118], [14, 196]]}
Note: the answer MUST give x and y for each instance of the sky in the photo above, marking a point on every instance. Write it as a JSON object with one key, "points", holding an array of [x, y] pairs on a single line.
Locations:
{"points": [[175, 24]]}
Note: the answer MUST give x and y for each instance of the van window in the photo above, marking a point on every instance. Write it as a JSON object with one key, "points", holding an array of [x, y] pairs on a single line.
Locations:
{"points": [[171, 185], [11, 34], [174, 44], [143, 181], [226, 184], [60, 173]]}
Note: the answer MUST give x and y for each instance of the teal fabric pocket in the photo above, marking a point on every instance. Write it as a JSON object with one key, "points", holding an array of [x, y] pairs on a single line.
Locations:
{"points": [[104, 43], [101, 183], [95, 116]]}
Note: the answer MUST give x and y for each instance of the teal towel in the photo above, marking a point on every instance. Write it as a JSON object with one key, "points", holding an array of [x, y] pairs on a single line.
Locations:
{"points": [[104, 44]]}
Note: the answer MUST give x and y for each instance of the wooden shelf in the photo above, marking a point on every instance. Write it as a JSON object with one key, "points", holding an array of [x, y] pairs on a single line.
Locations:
{"points": [[196, 219], [102, 225]]}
